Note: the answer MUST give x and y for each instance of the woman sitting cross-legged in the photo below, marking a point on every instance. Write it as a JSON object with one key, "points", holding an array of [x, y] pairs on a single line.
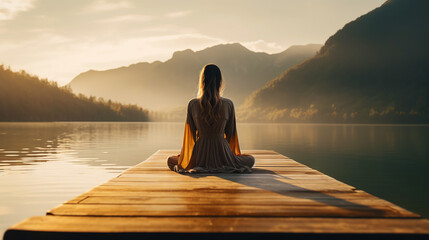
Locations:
{"points": [[210, 142]]}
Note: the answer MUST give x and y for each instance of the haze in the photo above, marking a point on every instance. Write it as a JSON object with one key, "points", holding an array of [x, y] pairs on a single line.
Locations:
{"points": [[60, 39]]}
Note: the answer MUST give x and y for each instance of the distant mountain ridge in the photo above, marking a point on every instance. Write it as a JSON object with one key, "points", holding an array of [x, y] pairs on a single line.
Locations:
{"points": [[373, 70], [161, 85]]}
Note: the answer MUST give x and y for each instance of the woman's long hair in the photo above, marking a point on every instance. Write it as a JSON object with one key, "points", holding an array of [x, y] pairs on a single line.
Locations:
{"points": [[209, 93]]}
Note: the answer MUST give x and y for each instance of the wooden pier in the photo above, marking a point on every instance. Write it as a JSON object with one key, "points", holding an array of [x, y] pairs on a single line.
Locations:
{"points": [[280, 199]]}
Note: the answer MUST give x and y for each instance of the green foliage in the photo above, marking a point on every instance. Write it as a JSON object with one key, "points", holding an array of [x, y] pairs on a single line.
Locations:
{"points": [[27, 98]]}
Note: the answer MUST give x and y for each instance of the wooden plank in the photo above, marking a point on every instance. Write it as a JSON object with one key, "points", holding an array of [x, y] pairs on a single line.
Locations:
{"points": [[317, 200], [222, 224], [231, 189], [279, 187], [224, 183], [245, 151], [232, 192], [279, 159], [274, 169], [269, 168], [76, 199], [213, 180], [250, 196], [286, 200], [222, 194], [257, 163], [166, 177], [254, 170], [226, 210]]}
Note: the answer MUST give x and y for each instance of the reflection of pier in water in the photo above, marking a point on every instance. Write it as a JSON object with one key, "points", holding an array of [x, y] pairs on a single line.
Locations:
{"points": [[280, 198]]}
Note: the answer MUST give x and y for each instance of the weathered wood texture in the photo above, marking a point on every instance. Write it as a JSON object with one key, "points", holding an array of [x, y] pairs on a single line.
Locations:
{"points": [[281, 198]]}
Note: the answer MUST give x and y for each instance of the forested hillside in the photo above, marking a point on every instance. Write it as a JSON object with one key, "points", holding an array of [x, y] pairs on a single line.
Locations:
{"points": [[27, 98], [374, 70]]}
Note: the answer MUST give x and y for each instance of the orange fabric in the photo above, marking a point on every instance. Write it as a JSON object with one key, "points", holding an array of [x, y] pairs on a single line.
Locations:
{"points": [[189, 139], [187, 147], [233, 143]]}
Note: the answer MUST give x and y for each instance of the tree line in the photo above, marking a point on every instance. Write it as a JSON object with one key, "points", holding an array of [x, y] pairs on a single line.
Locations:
{"points": [[24, 97]]}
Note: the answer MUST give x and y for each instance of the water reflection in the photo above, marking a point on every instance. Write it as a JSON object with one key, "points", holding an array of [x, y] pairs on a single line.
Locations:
{"points": [[92, 143], [44, 164]]}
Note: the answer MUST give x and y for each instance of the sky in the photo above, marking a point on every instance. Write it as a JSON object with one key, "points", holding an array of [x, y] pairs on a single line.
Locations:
{"points": [[58, 39]]}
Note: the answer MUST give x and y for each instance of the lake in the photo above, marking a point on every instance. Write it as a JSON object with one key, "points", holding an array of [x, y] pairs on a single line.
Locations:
{"points": [[44, 164]]}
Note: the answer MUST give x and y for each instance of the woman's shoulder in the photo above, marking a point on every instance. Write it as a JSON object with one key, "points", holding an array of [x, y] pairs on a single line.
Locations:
{"points": [[192, 101], [227, 100]]}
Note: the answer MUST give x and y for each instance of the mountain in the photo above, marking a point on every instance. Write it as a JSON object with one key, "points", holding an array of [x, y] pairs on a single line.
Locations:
{"points": [[374, 70], [169, 84], [27, 98]]}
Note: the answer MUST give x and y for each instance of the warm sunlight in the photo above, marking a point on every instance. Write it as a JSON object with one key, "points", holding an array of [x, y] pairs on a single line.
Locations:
{"points": [[60, 39], [243, 119]]}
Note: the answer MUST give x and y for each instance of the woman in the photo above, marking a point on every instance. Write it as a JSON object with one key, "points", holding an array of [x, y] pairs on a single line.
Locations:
{"points": [[210, 142]]}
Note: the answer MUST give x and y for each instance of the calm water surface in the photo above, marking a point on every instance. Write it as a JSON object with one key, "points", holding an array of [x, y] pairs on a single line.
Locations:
{"points": [[44, 164]]}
